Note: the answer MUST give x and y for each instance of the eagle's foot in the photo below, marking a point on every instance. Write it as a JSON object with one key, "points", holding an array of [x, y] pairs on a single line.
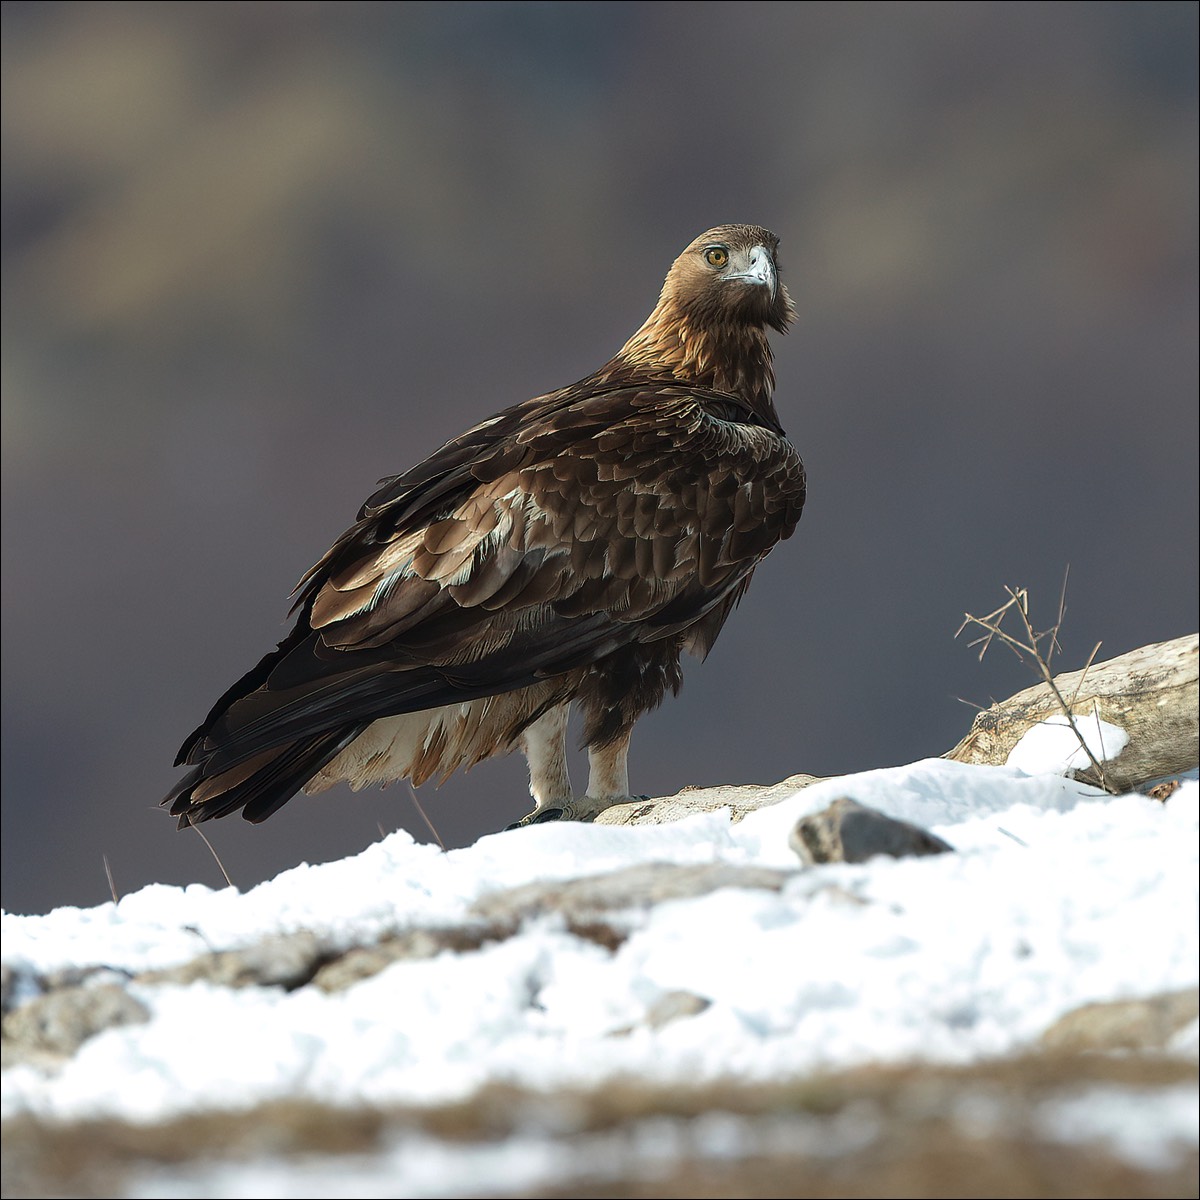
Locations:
{"points": [[582, 808], [539, 816]]}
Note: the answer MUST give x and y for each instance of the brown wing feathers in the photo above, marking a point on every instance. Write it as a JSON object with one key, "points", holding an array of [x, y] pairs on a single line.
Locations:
{"points": [[560, 536]]}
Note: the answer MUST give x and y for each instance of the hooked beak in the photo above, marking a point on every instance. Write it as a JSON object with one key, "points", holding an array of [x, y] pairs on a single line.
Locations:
{"points": [[760, 269]]}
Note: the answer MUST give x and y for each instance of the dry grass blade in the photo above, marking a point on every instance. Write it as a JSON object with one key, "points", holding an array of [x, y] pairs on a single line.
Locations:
{"points": [[412, 791], [212, 851]]}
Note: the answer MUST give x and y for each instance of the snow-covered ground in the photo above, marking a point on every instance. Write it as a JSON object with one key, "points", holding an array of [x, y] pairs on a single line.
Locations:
{"points": [[1058, 895]]}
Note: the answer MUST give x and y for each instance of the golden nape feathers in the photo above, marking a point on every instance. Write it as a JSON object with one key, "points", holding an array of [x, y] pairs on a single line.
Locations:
{"points": [[565, 551]]}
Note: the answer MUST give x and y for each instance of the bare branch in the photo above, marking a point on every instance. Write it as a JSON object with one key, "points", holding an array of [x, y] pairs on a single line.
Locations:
{"points": [[1030, 642]]}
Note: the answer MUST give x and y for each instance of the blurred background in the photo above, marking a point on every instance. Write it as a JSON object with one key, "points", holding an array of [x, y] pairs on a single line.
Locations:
{"points": [[257, 256]]}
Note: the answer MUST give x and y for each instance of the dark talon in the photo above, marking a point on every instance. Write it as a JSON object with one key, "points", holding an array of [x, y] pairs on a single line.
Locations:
{"points": [[539, 817]]}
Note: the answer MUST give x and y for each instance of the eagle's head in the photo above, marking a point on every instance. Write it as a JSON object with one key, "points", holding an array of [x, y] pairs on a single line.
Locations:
{"points": [[709, 326], [730, 276]]}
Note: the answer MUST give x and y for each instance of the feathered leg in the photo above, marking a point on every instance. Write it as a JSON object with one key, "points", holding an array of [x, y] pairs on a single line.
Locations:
{"points": [[608, 773], [608, 778], [545, 746]]}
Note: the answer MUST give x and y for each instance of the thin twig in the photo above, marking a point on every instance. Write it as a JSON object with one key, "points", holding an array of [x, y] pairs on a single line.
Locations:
{"points": [[1099, 728], [1087, 666], [1048, 677], [1062, 611]]}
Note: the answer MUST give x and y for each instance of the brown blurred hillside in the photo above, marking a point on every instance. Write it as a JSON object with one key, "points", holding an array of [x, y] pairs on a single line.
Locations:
{"points": [[257, 256]]}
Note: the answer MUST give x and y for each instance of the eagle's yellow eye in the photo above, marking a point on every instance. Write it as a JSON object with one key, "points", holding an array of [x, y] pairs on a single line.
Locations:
{"points": [[716, 256]]}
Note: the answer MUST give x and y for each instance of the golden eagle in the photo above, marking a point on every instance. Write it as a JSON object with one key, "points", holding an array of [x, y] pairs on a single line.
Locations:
{"points": [[567, 550]]}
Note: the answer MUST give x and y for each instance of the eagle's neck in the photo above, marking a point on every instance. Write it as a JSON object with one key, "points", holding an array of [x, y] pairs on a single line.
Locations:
{"points": [[704, 350]]}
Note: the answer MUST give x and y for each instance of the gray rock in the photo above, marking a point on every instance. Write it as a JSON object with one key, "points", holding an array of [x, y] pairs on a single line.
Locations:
{"points": [[286, 961], [674, 1006], [850, 832], [670, 1006], [362, 962], [10, 983], [579, 901], [52, 1027], [1147, 1024]]}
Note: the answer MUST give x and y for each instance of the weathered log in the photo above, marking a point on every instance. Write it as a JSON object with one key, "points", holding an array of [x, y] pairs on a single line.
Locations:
{"points": [[1151, 693], [740, 799]]}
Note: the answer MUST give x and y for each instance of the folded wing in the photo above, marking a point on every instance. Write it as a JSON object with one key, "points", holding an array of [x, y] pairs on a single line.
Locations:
{"points": [[541, 541]]}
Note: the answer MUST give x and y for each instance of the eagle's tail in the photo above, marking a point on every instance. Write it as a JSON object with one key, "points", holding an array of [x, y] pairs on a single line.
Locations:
{"points": [[261, 783]]}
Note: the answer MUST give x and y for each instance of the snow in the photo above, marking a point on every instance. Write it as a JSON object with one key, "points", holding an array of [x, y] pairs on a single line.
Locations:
{"points": [[1052, 745], [1145, 1132], [1058, 895]]}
